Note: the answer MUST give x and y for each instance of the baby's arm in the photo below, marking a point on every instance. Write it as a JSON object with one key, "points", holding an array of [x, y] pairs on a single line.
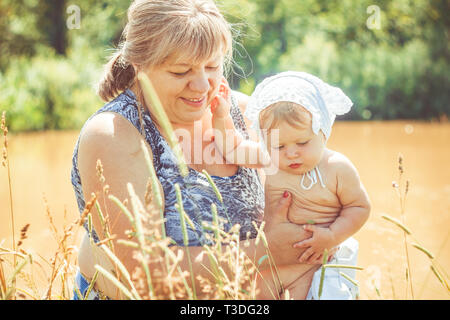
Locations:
{"points": [[354, 213], [230, 143]]}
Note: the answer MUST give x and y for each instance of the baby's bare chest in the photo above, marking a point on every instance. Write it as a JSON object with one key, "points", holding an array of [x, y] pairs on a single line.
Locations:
{"points": [[319, 203]]}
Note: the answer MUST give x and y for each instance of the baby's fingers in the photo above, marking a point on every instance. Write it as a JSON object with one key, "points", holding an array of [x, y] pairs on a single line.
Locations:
{"points": [[316, 258], [214, 104], [220, 107], [224, 89], [304, 243], [332, 252], [306, 255]]}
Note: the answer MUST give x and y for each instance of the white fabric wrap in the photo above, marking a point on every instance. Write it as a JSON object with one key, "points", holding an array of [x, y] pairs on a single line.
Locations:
{"points": [[322, 100], [335, 286]]}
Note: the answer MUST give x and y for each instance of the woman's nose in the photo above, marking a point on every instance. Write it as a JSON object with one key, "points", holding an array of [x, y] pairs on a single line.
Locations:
{"points": [[200, 82]]}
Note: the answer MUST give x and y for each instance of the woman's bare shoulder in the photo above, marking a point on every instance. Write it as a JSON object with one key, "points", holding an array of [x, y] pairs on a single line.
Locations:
{"points": [[114, 141], [109, 132]]}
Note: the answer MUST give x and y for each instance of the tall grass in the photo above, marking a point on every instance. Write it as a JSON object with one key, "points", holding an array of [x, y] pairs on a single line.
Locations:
{"points": [[5, 163], [59, 270], [401, 188]]}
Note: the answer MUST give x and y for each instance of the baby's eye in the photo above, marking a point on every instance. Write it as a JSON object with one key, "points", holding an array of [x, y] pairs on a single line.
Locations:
{"points": [[302, 143], [212, 67], [278, 148]]}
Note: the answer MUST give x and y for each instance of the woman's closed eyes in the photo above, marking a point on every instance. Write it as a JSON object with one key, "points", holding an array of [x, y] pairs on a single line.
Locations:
{"points": [[180, 74], [183, 73]]}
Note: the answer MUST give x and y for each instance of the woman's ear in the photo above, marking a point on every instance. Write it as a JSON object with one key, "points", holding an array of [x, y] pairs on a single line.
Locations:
{"points": [[135, 68]]}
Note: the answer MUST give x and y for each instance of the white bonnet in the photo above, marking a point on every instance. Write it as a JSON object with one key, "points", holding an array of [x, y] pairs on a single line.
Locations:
{"points": [[322, 100]]}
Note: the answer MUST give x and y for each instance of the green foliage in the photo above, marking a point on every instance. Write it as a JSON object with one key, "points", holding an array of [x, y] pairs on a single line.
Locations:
{"points": [[383, 82], [47, 92], [399, 70]]}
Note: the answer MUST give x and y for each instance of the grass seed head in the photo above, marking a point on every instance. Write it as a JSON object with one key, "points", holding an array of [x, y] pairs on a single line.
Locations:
{"points": [[400, 163], [99, 168], [3, 123]]}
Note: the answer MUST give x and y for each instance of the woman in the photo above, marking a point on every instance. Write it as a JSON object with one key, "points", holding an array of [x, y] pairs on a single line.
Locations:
{"points": [[182, 46]]}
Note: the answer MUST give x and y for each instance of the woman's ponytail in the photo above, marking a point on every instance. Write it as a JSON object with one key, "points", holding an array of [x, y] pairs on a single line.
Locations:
{"points": [[119, 75]]}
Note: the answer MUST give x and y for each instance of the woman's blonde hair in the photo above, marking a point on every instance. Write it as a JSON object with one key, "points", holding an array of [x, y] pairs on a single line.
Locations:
{"points": [[284, 111], [157, 29]]}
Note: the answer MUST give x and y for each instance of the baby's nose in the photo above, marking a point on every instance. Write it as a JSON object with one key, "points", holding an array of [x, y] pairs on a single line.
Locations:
{"points": [[292, 153]]}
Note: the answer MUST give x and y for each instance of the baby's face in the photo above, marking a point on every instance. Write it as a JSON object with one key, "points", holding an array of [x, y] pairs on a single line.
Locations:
{"points": [[297, 150]]}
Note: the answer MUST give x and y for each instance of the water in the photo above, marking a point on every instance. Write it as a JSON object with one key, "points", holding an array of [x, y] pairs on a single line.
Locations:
{"points": [[41, 162]]}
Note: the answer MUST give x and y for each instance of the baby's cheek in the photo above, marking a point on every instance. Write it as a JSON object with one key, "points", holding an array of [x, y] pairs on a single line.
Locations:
{"points": [[275, 157], [314, 157]]}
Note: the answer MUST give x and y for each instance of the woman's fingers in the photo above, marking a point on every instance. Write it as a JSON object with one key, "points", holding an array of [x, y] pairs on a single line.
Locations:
{"points": [[280, 212]]}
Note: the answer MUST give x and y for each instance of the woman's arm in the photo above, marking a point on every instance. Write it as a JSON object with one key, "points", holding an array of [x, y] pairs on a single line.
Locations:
{"points": [[114, 141]]}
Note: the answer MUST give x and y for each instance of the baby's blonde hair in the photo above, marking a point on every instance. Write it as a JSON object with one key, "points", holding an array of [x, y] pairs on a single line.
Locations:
{"points": [[157, 29], [284, 111]]}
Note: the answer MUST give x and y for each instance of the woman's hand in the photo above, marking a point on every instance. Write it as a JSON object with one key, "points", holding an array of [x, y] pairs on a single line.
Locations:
{"points": [[282, 235]]}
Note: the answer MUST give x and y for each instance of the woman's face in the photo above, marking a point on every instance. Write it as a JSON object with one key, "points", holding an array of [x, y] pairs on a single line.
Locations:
{"points": [[186, 89]]}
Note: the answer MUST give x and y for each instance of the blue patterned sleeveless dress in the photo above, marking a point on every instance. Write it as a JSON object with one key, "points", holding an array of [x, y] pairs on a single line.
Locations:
{"points": [[243, 194]]}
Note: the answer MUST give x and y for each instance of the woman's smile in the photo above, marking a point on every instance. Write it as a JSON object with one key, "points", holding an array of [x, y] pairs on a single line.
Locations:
{"points": [[194, 102]]}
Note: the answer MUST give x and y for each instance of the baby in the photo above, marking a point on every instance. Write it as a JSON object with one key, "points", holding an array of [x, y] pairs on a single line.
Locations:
{"points": [[293, 113]]}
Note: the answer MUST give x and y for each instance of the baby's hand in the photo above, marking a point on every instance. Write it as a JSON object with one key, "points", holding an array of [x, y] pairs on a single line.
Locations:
{"points": [[322, 238], [220, 105]]}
